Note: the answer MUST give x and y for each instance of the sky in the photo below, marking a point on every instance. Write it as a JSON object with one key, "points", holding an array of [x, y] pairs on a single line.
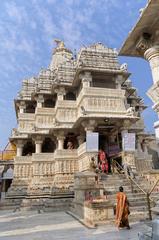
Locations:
{"points": [[27, 30]]}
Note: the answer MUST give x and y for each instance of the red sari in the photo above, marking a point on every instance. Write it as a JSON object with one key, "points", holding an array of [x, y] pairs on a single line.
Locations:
{"points": [[122, 210], [103, 161]]}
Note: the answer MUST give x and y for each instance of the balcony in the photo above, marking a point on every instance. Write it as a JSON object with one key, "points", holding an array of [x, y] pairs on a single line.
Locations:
{"points": [[102, 102], [91, 102]]}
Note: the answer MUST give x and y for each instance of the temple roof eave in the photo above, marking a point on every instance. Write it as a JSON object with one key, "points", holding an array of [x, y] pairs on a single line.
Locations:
{"points": [[76, 80], [148, 17], [116, 117]]}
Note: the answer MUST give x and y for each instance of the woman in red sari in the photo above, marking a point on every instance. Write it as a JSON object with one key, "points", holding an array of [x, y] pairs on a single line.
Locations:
{"points": [[122, 209], [103, 161]]}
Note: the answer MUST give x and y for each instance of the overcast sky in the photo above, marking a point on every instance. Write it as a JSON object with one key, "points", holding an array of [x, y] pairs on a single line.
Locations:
{"points": [[27, 30]]}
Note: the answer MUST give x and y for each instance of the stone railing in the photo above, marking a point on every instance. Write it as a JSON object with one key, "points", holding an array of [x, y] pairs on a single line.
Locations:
{"points": [[26, 122], [92, 101], [101, 102], [66, 111], [45, 117], [26, 116], [22, 167], [82, 148], [43, 164], [45, 110], [66, 161]]}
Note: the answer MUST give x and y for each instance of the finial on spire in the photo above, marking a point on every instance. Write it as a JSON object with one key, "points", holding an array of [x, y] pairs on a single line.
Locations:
{"points": [[59, 43]]}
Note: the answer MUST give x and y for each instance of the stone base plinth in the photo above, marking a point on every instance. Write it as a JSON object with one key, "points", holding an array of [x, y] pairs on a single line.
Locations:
{"points": [[47, 203], [98, 211]]}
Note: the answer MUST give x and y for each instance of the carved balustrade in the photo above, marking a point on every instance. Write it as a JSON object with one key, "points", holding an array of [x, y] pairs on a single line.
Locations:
{"points": [[26, 122], [23, 167], [66, 111], [95, 101], [100, 101], [45, 117]]}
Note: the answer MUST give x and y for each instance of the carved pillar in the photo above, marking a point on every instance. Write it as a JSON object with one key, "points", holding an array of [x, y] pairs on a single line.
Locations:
{"points": [[124, 129], [89, 125], [86, 79], [38, 144], [60, 93], [145, 147], [118, 81], [152, 55], [60, 139], [40, 101], [20, 145], [139, 149], [22, 107]]}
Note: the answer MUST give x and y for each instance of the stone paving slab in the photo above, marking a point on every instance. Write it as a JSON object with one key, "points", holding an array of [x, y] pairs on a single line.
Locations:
{"points": [[58, 226]]}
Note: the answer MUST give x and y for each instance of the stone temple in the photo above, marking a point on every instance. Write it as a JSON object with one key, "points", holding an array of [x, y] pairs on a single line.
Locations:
{"points": [[75, 95]]}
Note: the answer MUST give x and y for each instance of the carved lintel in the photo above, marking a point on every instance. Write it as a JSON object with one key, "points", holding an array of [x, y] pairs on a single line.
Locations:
{"points": [[38, 139]]}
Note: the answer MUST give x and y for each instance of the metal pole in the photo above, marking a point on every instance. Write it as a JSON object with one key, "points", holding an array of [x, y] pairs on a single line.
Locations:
{"points": [[131, 184], [149, 205]]}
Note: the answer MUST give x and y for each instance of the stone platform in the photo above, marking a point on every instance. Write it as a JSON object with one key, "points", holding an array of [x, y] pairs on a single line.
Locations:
{"points": [[58, 226]]}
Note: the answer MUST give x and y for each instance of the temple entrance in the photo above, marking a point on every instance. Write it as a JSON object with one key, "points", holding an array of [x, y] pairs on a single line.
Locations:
{"points": [[110, 143]]}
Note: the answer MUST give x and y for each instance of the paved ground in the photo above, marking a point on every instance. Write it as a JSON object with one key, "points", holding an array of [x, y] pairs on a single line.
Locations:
{"points": [[57, 226]]}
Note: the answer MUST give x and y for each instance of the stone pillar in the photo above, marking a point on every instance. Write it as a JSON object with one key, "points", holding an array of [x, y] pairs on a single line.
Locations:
{"points": [[119, 81], [145, 147], [89, 125], [139, 149], [60, 93], [22, 107], [60, 138], [38, 146], [19, 145], [86, 79], [40, 101], [152, 55]]}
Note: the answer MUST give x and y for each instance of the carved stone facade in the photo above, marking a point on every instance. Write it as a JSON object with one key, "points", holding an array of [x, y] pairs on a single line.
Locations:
{"points": [[55, 110]]}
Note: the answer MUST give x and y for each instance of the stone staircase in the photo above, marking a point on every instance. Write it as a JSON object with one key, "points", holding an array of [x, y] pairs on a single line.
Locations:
{"points": [[137, 199]]}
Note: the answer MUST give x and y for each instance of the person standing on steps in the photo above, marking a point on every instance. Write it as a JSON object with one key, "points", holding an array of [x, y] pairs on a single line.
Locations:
{"points": [[122, 209], [103, 161]]}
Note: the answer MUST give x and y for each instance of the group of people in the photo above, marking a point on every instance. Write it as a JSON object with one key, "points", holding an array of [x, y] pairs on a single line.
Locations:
{"points": [[122, 204]]}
